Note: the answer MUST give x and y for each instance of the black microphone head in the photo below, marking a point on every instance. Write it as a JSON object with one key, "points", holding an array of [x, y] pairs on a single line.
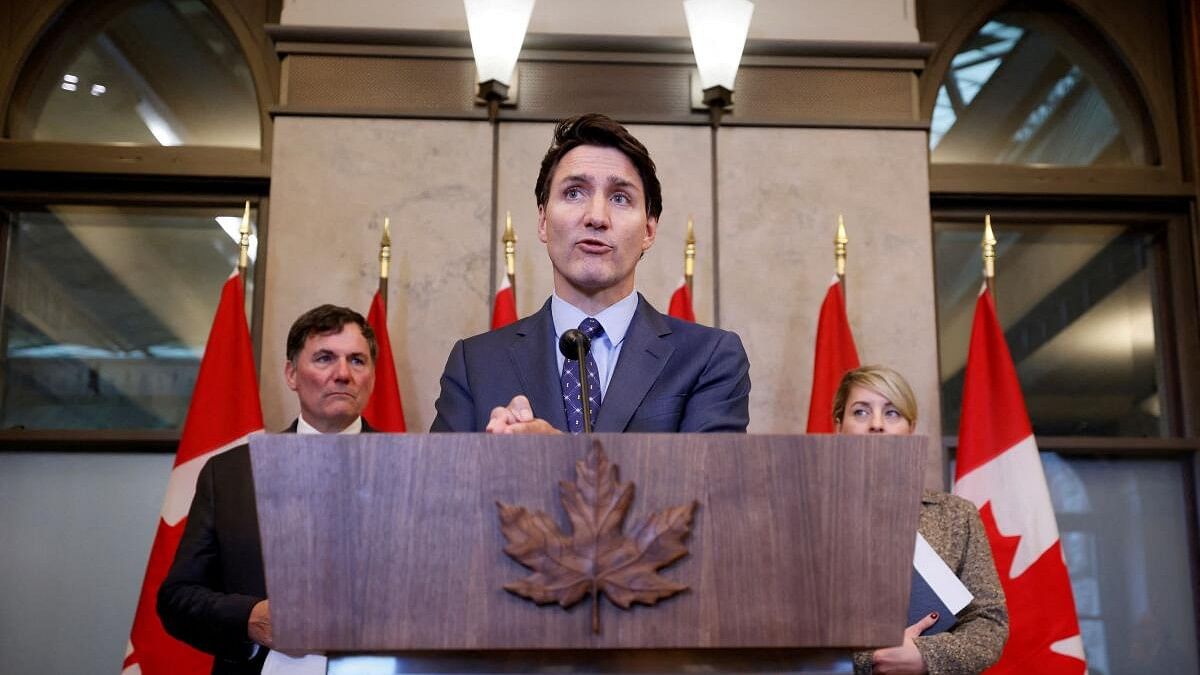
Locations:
{"points": [[572, 342]]}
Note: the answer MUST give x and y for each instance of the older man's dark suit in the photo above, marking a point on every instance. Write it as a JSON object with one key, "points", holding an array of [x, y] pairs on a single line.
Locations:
{"points": [[671, 375], [217, 576]]}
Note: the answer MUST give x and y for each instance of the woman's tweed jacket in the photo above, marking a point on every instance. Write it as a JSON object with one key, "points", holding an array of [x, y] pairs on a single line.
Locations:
{"points": [[952, 526]]}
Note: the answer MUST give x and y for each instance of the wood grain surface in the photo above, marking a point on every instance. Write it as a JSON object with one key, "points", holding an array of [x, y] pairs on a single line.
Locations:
{"points": [[384, 542]]}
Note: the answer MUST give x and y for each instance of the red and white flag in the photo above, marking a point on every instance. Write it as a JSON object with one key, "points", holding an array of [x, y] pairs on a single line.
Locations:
{"points": [[504, 306], [384, 410], [835, 354], [998, 469], [224, 411], [681, 303]]}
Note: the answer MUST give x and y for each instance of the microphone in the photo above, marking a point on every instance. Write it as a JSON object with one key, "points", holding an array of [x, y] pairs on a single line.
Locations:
{"points": [[574, 345]]}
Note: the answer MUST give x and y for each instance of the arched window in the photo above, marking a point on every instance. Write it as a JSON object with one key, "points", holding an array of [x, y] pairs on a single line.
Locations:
{"points": [[1036, 88], [134, 133], [147, 72]]}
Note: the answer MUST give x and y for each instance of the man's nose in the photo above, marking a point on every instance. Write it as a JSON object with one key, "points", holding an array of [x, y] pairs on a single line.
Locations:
{"points": [[597, 214], [342, 370]]}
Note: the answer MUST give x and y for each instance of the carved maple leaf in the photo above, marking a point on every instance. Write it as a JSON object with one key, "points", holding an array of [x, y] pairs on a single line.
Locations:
{"points": [[597, 557]]}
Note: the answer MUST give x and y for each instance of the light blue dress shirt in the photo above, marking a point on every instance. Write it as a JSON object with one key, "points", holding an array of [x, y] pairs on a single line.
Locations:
{"points": [[615, 319]]}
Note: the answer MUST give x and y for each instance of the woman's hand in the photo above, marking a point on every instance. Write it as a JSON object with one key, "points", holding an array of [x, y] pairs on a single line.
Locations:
{"points": [[905, 659]]}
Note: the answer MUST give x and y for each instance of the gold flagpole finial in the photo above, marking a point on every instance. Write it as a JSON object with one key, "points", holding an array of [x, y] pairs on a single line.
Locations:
{"points": [[689, 252], [989, 250], [385, 260], [510, 249], [244, 241], [385, 249], [839, 247]]}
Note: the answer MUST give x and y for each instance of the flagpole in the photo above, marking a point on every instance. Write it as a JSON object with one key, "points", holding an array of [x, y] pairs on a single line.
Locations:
{"points": [[839, 254], [385, 260], [244, 246], [689, 255], [989, 255], [510, 252]]}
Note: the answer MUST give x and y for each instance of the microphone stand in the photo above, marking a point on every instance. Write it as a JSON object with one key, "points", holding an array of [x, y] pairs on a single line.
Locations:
{"points": [[575, 345]]}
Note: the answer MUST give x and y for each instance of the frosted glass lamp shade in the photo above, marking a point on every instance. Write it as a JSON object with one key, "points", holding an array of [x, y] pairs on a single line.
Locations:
{"points": [[497, 30], [718, 29]]}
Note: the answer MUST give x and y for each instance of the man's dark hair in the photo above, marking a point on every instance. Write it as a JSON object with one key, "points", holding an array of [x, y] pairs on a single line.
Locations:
{"points": [[604, 131], [326, 320]]}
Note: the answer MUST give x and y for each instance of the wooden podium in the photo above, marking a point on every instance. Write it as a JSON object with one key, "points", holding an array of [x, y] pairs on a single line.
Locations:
{"points": [[800, 550]]}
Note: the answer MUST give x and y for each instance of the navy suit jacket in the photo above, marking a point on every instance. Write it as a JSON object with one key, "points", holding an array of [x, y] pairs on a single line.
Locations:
{"points": [[671, 375], [217, 575]]}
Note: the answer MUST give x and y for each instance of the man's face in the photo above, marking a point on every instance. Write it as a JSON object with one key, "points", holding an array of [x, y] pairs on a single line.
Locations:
{"points": [[332, 376], [594, 225]]}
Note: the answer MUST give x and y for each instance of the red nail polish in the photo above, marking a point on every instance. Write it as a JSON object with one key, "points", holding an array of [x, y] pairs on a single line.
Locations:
{"points": [[934, 615]]}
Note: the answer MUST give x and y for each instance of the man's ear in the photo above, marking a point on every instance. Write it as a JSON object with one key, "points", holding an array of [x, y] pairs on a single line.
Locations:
{"points": [[651, 233], [542, 224], [289, 374]]}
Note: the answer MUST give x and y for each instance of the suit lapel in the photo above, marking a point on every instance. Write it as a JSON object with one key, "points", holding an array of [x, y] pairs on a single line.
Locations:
{"points": [[642, 359], [536, 366]]}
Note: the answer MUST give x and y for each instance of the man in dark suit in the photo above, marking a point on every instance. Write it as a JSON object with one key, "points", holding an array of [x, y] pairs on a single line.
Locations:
{"points": [[599, 201], [214, 597]]}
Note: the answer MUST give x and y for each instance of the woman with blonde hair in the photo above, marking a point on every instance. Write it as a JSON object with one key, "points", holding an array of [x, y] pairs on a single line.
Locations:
{"points": [[877, 400]]}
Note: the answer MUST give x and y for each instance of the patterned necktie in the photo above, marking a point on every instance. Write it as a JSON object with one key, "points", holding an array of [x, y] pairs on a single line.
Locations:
{"points": [[570, 381]]}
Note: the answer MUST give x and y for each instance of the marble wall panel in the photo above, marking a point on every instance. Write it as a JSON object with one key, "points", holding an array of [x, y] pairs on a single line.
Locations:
{"points": [[522, 146], [780, 193], [333, 181], [682, 155]]}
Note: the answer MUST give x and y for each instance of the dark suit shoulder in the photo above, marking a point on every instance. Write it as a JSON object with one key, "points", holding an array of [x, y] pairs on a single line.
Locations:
{"points": [[679, 328], [235, 459], [484, 347], [693, 330], [498, 337]]}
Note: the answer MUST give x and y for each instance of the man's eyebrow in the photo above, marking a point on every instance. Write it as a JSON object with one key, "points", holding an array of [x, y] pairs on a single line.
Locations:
{"points": [[577, 178], [618, 181]]}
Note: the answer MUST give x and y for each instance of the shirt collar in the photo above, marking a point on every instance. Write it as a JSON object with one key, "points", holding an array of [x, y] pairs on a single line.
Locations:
{"points": [[615, 318], [303, 427]]}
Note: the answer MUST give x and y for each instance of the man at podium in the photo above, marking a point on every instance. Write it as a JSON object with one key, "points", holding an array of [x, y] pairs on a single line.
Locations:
{"points": [[599, 200], [214, 597]]}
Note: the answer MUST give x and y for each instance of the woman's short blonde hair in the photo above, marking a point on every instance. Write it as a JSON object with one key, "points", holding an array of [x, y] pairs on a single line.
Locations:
{"points": [[883, 381]]}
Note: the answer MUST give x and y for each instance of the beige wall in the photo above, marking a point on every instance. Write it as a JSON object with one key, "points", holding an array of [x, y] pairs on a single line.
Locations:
{"points": [[333, 181], [781, 191], [878, 20]]}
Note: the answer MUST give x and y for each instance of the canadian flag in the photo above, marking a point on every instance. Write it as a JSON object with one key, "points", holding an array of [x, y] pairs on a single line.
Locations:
{"points": [[224, 411], [385, 410], [504, 307], [835, 354], [998, 469], [681, 303]]}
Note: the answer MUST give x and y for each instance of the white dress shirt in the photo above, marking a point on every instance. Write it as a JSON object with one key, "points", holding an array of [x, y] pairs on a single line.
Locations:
{"points": [[615, 319]]}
